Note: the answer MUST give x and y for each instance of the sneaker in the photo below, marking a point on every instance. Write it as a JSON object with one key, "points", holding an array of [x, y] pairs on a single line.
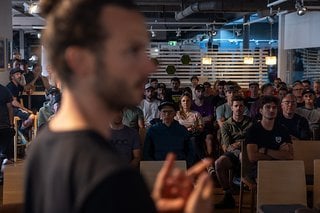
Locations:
{"points": [[228, 202], [211, 170], [7, 161]]}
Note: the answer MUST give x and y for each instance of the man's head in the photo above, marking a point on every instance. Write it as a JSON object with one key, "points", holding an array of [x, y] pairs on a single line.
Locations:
{"points": [[230, 91], [154, 83], [220, 88], [89, 50], [267, 89], [15, 75], [297, 89], [276, 82], [237, 106], [194, 80], [117, 117], [308, 97], [268, 107], [254, 88], [289, 105], [316, 87], [282, 92], [175, 83], [199, 91], [148, 91], [306, 84], [167, 112]]}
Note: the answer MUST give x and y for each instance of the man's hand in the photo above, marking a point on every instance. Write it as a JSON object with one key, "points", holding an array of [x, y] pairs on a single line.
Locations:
{"points": [[284, 147], [174, 189]]}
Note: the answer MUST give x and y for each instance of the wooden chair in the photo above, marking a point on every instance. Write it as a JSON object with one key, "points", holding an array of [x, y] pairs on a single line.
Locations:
{"points": [[15, 139], [150, 170], [307, 151], [316, 185], [281, 184], [13, 184], [245, 170]]}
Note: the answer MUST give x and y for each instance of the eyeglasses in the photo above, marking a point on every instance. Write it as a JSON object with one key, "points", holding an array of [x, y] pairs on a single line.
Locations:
{"points": [[169, 112], [288, 102]]}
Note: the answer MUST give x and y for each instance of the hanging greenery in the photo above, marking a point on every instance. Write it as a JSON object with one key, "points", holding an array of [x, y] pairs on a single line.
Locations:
{"points": [[171, 69], [155, 61], [185, 59]]}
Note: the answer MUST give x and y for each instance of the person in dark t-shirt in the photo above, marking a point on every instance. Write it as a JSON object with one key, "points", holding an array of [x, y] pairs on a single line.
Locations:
{"points": [[71, 166], [266, 139]]}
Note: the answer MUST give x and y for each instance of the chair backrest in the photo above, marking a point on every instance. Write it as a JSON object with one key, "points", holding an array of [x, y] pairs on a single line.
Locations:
{"points": [[316, 185], [306, 151], [246, 165], [281, 182], [150, 169]]}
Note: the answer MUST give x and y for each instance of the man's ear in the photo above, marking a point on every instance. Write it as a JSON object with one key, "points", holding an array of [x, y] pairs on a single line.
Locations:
{"points": [[81, 61]]}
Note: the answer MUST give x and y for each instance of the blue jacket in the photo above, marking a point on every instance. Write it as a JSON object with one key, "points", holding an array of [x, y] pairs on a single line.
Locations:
{"points": [[161, 139]]}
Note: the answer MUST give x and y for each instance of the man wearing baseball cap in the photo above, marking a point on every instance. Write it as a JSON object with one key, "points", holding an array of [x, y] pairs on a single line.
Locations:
{"points": [[149, 105], [16, 90], [167, 136]]}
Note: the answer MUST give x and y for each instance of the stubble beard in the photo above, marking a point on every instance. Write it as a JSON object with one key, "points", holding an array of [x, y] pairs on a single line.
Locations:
{"points": [[114, 92]]}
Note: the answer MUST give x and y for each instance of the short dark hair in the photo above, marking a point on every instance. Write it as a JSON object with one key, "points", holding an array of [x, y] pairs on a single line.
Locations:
{"points": [[154, 80], [237, 98], [76, 23], [266, 99], [306, 81], [175, 79], [265, 86], [194, 77]]}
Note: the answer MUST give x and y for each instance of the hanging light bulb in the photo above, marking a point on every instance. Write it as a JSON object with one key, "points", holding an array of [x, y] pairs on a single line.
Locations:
{"points": [[153, 34], [248, 60], [301, 9]]}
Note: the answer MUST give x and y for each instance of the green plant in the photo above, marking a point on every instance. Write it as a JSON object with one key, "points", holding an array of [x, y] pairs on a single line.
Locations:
{"points": [[171, 69], [185, 59]]}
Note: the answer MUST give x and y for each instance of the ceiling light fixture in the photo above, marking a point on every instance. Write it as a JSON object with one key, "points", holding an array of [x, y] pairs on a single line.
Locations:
{"points": [[153, 34], [301, 9], [178, 33]]}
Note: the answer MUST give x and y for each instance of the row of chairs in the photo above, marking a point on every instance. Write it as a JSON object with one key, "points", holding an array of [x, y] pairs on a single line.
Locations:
{"points": [[16, 140], [281, 186], [305, 151]]}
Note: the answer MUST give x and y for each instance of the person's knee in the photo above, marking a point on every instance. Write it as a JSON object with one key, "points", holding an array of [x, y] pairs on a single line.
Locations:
{"points": [[222, 162]]}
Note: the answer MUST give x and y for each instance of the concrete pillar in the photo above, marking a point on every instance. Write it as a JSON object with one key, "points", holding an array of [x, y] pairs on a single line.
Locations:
{"points": [[282, 58], [5, 37], [246, 33]]}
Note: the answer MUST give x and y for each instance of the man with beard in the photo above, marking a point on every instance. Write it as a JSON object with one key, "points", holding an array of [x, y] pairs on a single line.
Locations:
{"points": [[102, 67], [232, 134], [149, 105], [297, 125], [16, 90], [267, 139]]}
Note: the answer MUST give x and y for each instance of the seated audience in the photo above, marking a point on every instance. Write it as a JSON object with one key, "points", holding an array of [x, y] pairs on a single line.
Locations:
{"points": [[125, 140], [149, 105], [167, 136], [50, 107], [309, 111], [232, 133], [297, 89], [267, 139], [297, 125], [193, 121], [206, 110], [19, 110]]}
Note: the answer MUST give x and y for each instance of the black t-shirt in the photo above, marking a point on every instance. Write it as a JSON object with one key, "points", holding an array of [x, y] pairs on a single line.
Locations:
{"points": [[5, 97], [78, 171], [256, 134], [249, 101], [16, 91], [298, 126]]}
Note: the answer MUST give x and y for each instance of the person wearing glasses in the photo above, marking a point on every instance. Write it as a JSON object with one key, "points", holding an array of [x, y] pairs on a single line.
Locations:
{"points": [[297, 125], [167, 136]]}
